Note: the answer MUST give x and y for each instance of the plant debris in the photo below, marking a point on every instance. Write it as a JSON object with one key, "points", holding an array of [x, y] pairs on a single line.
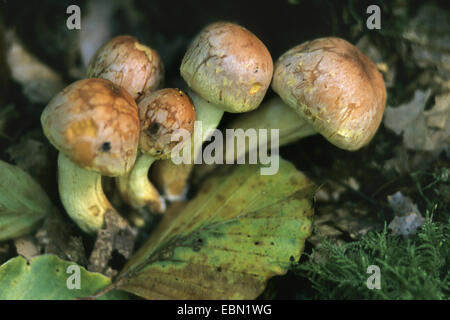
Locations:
{"points": [[57, 237], [39, 82], [116, 235], [27, 247], [407, 216], [422, 130]]}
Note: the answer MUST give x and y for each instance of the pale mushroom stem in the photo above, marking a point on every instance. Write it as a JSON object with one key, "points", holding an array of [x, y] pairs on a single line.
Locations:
{"points": [[172, 178], [82, 194], [137, 190], [273, 114]]}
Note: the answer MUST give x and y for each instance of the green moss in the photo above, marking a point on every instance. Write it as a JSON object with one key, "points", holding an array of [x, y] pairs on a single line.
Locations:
{"points": [[415, 268]]}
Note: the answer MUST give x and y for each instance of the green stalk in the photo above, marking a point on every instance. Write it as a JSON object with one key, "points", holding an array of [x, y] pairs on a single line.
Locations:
{"points": [[137, 190], [172, 178], [273, 114], [82, 194]]}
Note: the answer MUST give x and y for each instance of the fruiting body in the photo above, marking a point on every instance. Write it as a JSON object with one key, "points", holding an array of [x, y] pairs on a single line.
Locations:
{"points": [[129, 64], [335, 88], [229, 68], [162, 114], [95, 124]]}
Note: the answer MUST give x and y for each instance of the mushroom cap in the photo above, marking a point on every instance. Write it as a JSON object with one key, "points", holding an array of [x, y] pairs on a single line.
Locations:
{"points": [[335, 87], [96, 124], [228, 66], [129, 64], [162, 114]]}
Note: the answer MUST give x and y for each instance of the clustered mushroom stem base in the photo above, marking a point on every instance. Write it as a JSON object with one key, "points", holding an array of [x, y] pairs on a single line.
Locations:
{"points": [[136, 188], [172, 178], [82, 194]]}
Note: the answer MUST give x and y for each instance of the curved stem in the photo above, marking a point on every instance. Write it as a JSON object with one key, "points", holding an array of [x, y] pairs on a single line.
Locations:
{"points": [[273, 114], [137, 190], [82, 194], [172, 178]]}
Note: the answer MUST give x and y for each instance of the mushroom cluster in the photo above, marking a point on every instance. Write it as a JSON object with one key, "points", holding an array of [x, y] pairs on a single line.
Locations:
{"points": [[162, 114], [118, 122], [227, 69], [326, 86], [100, 130]]}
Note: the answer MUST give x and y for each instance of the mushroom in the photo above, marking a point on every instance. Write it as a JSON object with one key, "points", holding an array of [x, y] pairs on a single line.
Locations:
{"points": [[229, 69], [333, 87], [129, 64], [95, 126], [162, 114]]}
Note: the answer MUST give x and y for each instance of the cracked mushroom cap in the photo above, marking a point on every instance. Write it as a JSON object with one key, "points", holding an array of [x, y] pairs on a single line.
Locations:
{"points": [[96, 124], [129, 64], [162, 113], [335, 87], [228, 66]]}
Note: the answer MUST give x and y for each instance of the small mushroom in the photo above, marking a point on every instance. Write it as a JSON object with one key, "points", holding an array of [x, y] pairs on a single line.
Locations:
{"points": [[129, 64], [162, 114], [95, 126], [229, 69], [333, 87]]}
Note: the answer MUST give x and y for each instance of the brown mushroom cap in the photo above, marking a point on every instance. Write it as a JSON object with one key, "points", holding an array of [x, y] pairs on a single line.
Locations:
{"points": [[129, 64], [335, 87], [228, 66], [96, 124], [162, 113]]}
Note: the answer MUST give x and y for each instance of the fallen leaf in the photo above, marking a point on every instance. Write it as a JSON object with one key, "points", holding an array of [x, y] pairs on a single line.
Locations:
{"points": [[240, 230], [429, 36], [27, 247], [407, 216], [402, 205], [46, 278], [23, 203], [422, 130]]}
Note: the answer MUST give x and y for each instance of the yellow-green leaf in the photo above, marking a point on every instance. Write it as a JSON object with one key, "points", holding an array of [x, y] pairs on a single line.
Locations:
{"points": [[23, 203], [240, 230], [46, 278]]}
